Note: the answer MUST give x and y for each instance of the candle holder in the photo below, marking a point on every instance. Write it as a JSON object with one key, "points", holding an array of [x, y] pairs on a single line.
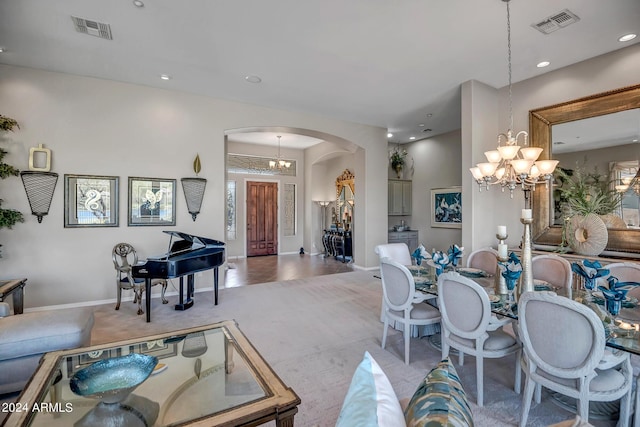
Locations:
{"points": [[499, 282], [526, 278]]}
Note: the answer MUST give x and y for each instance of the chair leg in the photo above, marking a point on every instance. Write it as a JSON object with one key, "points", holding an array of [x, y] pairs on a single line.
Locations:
{"points": [[138, 295], [518, 378], [385, 329], [526, 401], [636, 414], [164, 290], [583, 409], [407, 339], [538, 396], [625, 410], [479, 378], [119, 297]]}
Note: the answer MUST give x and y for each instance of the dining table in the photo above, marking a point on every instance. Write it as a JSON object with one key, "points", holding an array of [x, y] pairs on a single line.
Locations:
{"points": [[623, 332]]}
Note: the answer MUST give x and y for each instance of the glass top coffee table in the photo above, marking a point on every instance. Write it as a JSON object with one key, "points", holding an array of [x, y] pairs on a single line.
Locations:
{"points": [[205, 376]]}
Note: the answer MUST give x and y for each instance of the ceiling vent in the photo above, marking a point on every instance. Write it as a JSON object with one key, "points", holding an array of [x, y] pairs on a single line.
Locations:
{"points": [[93, 28], [556, 21]]}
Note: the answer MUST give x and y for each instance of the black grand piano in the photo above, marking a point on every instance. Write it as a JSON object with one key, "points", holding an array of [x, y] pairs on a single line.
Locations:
{"points": [[185, 257]]}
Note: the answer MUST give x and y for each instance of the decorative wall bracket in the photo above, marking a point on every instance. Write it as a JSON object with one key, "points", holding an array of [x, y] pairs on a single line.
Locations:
{"points": [[39, 187]]}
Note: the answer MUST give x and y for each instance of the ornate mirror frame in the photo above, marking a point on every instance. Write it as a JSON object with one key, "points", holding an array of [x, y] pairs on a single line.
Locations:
{"points": [[540, 122], [347, 179]]}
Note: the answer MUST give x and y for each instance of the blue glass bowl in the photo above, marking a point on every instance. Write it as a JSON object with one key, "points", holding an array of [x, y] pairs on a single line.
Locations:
{"points": [[112, 380]]}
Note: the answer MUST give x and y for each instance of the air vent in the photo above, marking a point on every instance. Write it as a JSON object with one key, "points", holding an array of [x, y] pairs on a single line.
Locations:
{"points": [[92, 28], [556, 21]]}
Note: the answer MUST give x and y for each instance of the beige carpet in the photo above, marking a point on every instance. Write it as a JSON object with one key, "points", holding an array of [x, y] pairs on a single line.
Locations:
{"points": [[314, 332]]}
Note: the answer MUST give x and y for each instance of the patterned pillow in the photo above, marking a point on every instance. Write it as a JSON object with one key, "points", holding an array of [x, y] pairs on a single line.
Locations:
{"points": [[439, 400]]}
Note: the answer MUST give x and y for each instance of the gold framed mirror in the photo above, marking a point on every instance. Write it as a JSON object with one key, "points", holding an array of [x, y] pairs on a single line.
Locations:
{"points": [[541, 121], [345, 198]]}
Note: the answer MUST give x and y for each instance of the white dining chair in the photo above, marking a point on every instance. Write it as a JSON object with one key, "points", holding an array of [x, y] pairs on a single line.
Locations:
{"points": [[485, 259], [398, 252], [565, 359], [553, 269], [468, 326], [402, 303], [626, 272]]}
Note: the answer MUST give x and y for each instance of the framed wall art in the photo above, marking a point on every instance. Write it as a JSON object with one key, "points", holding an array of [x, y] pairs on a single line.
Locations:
{"points": [[446, 207], [152, 201], [90, 201]]}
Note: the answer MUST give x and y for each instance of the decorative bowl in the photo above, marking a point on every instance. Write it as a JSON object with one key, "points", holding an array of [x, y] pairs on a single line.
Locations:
{"points": [[112, 380]]}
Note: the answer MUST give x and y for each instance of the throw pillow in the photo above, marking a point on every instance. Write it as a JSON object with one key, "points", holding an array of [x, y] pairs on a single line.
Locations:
{"points": [[370, 400], [440, 400]]}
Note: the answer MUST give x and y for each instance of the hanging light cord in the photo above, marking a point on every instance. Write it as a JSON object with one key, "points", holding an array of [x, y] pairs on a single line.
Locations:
{"points": [[509, 59]]}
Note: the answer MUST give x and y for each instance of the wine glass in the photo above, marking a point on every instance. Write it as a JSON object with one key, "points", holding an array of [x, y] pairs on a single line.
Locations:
{"points": [[613, 306], [419, 264]]}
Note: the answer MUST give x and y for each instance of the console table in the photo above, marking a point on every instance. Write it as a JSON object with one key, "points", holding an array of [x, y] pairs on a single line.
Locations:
{"points": [[15, 288]]}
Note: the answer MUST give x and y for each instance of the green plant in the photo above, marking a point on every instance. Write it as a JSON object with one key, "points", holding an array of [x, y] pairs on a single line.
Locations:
{"points": [[397, 158], [8, 217], [586, 192]]}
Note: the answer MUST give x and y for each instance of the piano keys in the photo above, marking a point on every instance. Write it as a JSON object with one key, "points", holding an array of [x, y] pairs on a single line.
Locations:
{"points": [[185, 257]]}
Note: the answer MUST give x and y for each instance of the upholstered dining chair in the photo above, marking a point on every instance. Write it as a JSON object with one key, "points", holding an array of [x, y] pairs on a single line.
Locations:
{"points": [[564, 359], [469, 327], [402, 303], [485, 259], [626, 272], [399, 252], [124, 256], [553, 269]]}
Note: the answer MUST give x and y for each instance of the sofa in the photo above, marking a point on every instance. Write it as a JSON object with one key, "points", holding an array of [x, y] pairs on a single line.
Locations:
{"points": [[24, 338]]}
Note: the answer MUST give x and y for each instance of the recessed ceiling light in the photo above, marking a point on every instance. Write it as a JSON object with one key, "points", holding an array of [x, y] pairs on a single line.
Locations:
{"points": [[627, 37], [138, 3], [429, 115], [543, 64], [635, 140], [389, 135], [165, 76], [1, 49], [253, 79], [412, 138]]}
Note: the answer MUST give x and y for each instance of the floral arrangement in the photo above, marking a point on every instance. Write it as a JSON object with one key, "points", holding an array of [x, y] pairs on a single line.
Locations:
{"points": [[397, 158], [455, 254], [8, 217], [420, 254], [441, 260], [589, 271], [614, 295]]}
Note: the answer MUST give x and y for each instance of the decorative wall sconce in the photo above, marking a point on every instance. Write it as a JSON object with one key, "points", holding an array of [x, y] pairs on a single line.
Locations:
{"points": [[39, 182], [194, 190]]}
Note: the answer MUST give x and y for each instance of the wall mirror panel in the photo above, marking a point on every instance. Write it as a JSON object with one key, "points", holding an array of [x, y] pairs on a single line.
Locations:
{"points": [[594, 133], [345, 200]]}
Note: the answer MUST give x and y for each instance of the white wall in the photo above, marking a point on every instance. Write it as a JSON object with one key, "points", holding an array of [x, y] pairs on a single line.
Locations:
{"points": [[436, 164], [103, 127], [485, 112]]}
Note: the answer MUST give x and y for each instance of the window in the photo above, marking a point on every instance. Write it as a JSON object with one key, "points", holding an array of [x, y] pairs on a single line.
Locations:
{"points": [[240, 163], [231, 210], [289, 211]]}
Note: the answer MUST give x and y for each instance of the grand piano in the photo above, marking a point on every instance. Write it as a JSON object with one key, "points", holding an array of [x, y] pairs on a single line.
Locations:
{"points": [[185, 257]]}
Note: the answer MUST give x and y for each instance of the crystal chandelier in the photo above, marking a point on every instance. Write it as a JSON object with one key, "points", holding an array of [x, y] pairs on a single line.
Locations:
{"points": [[511, 164], [279, 163]]}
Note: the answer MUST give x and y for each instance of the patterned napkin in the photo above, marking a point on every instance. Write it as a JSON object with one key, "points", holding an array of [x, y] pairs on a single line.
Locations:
{"points": [[420, 254], [440, 260], [589, 271], [511, 270], [614, 283], [613, 298], [455, 254]]}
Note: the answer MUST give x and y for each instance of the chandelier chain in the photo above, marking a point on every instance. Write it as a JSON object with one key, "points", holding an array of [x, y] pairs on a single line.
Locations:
{"points": [[509, 61]]}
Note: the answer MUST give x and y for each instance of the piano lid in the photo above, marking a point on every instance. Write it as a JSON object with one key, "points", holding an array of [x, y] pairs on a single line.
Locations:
{"points": [[196, 242]]}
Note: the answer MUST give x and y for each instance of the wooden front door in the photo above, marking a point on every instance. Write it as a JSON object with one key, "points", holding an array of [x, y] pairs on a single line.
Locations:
{"points": [[262, 218]]}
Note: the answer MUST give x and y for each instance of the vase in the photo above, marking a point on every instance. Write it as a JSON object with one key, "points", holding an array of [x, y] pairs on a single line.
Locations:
{"points": [[398, 170]]}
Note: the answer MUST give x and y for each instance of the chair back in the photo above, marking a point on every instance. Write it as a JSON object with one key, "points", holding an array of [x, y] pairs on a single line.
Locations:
{"points": [[485, 259], [124, 256], [398, 286], [464, 305], [560, 336], [552, 269], [398, 252]]}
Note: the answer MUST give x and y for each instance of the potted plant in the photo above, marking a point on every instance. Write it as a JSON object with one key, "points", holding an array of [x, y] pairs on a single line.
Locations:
{"points": [[397, 159], [8, 217], [588, 204]]}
